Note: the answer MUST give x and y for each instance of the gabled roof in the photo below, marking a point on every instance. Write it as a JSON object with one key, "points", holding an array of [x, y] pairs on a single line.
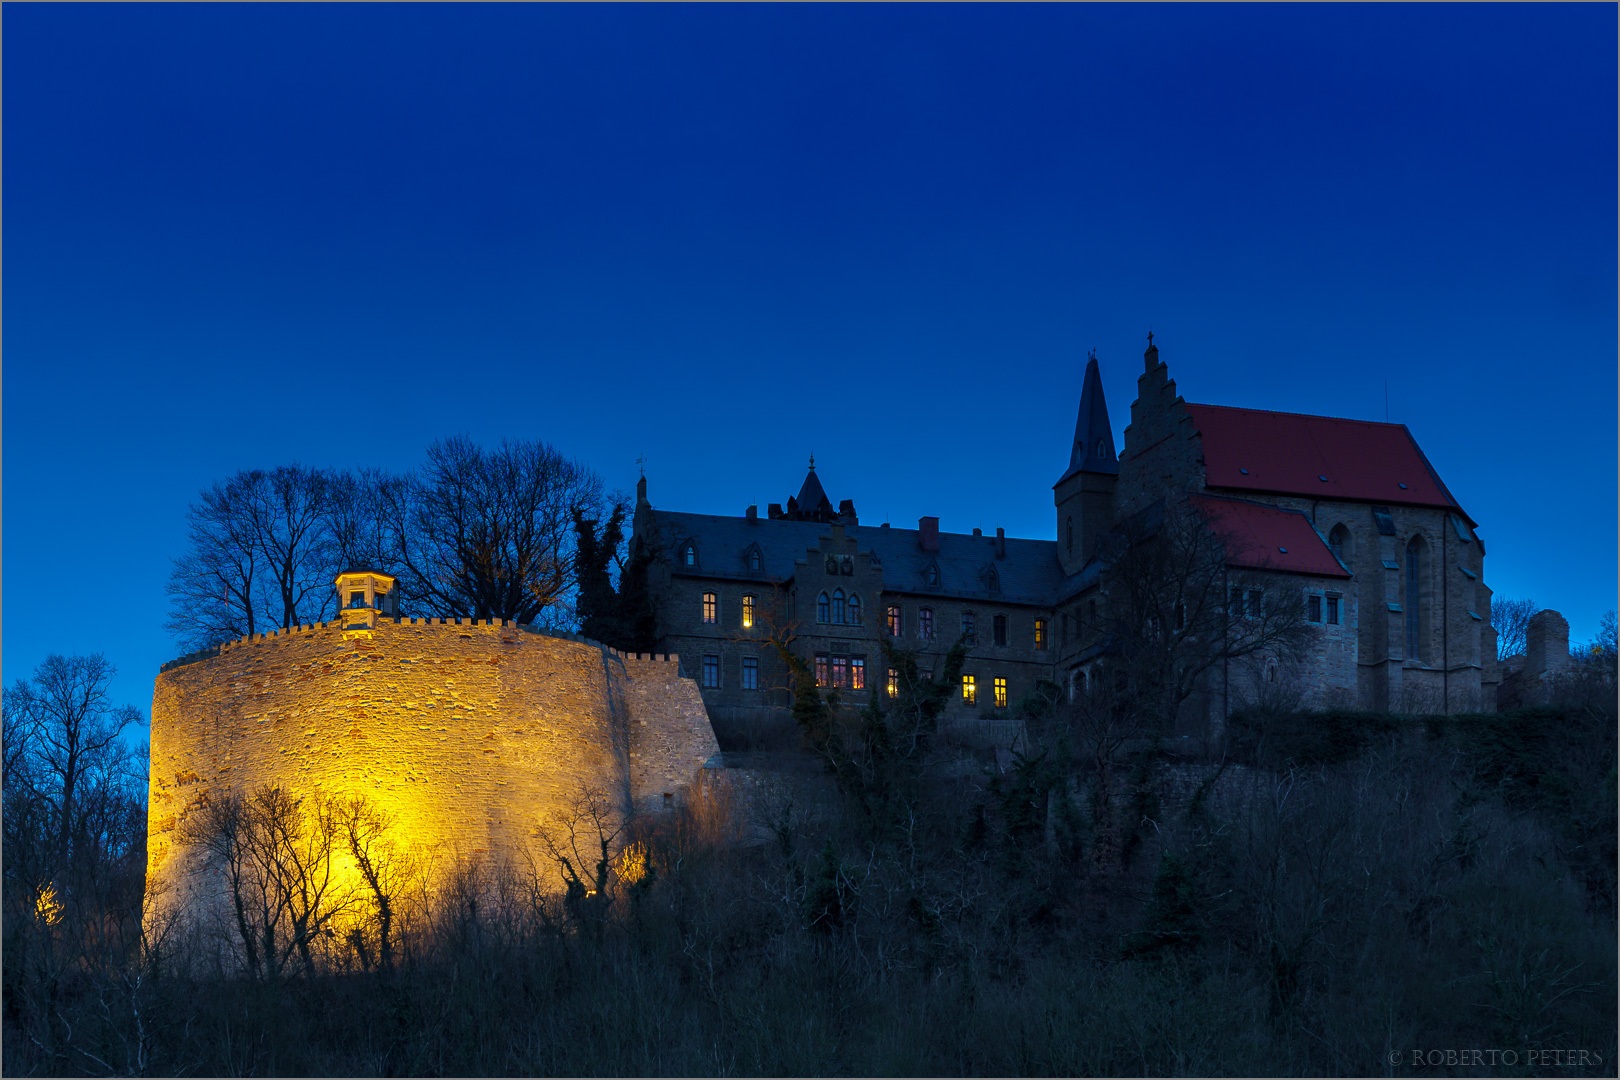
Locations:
{"points": [[1261, 537], [1029, 574], [1291, 454]]}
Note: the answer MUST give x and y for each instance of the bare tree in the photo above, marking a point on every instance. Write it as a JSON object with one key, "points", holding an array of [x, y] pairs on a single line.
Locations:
{"points": [[490, 533], [275, 852], [215, 587], [389, 874], [1511, 619], [291, 519]]}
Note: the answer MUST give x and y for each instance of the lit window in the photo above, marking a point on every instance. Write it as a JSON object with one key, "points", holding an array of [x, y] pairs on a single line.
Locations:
{"points": [[970, 630], [1000, 688], [854, 609], [689, 557], [711, 671], [998, 627], [823, 609], [750, 673], [894, 620], [1040, 633], [711, 608], [840, 671], [1313, 608], [925, 623], [857, 673], [970, 690], [748, 612], [1332, 610], [894, 683], [821, 669]]}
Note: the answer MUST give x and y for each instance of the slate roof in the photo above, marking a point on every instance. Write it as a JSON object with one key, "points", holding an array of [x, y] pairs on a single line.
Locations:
{"points": [[1268, 537], [1093, 447], [1290, 454], [1029, 574], [812, 496]]}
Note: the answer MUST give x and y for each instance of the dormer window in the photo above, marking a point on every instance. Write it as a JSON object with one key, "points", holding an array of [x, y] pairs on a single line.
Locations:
{"points": [[753, 559], [931, 575], [689, 556]]}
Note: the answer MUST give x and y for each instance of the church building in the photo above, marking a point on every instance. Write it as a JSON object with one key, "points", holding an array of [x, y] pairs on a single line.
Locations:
{"points": [[1349, 514]]}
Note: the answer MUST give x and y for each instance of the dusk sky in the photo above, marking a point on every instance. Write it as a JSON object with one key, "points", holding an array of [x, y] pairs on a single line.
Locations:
{"points": [[724, 237]]}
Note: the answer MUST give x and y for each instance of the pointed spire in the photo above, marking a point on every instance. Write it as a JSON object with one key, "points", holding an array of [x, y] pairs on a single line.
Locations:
{"points": [[1093, 449]]}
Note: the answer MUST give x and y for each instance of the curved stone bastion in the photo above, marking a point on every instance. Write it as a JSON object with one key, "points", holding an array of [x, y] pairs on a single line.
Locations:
{"points": [[467, 736]]}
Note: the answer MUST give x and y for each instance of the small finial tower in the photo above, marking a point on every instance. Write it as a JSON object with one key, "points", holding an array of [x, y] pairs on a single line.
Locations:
{"points": [[364, 596]]}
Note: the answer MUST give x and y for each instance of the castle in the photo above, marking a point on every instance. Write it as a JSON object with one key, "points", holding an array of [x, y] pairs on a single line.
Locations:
{"points": [[466, 735], [1388, 568]]}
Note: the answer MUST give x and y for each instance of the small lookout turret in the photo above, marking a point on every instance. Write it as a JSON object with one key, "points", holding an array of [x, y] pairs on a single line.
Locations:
{"points": [[364, 596]]}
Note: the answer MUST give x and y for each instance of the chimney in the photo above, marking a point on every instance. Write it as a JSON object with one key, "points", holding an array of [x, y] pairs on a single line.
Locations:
{"points": [[774, 511], [977, 531], [752, 513], [928, 533], [846, 510], [1001, 542]]}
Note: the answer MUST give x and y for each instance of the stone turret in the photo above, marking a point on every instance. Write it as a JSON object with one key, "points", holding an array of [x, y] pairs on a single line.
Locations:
{"points": [[364, 596]]}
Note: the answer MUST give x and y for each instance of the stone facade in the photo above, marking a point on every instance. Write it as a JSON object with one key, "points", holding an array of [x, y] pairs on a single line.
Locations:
{"points": [[467, 735], [1403, 617]]}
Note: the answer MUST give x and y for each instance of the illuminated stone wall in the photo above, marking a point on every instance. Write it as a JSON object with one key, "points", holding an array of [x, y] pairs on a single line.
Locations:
{"points": [[466, 735]]}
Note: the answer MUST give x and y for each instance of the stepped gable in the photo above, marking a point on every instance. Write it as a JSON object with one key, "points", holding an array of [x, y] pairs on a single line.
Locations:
{"points": [[1028, 574], [1282, 453], [1262, 537]]}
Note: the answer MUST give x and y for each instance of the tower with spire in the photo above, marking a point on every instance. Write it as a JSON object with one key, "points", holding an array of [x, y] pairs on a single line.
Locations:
{"points": [[1084, 494]]}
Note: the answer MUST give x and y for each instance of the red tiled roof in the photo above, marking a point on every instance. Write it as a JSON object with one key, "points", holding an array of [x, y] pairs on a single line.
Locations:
{"points": [[1289, 453], [1268, 538]]}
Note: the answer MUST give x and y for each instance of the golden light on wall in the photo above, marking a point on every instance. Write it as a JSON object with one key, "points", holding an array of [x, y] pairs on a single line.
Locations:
{"points": [[47, 908]]}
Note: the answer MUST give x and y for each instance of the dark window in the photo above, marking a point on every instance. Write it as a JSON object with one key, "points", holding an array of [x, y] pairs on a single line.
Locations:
{"points": [[689, 557], [854, 609], [1251, 604], [1040, 633], [711, 608], [998, 627], [1333, 610], [1313, 608], [894, 620], [925, 623], [753, 558], [823, 609], [1234, 602], [821, 669], [357, 598], [1339, 542], [838, 606], [857, 673], [933, 574], [711, 671], [750, 673], [970, 628], [995, 580], [1000, 688]]}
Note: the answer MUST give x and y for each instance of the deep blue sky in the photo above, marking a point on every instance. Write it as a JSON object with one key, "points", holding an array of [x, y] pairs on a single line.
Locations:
{"points": [[727, 236]]}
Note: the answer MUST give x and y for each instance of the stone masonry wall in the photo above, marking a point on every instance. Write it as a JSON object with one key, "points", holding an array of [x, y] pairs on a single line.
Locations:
{"points": [[466, 735]]}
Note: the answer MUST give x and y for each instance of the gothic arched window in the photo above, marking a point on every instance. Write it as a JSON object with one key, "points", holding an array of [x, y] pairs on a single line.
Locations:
{"points": [[838, 606], [855, 609], [1417, 616], [822, 609], [689, 556], [753, 557], [1339, 542]]}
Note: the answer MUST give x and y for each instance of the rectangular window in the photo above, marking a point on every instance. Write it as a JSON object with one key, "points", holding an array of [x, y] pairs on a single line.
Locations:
{"points": [[1251, 604], [840, 671], [1234, 603], [925, 624], [998, 627], [1000, 686], [894, 621], [821, 669], [1040, 633], [894, 683], [1313, 608], [711, 671], [970, 630], [1332, 610], [748, 613], [357, 599], [970, 690], [857, 673], [750, 673], [711, 608]]}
